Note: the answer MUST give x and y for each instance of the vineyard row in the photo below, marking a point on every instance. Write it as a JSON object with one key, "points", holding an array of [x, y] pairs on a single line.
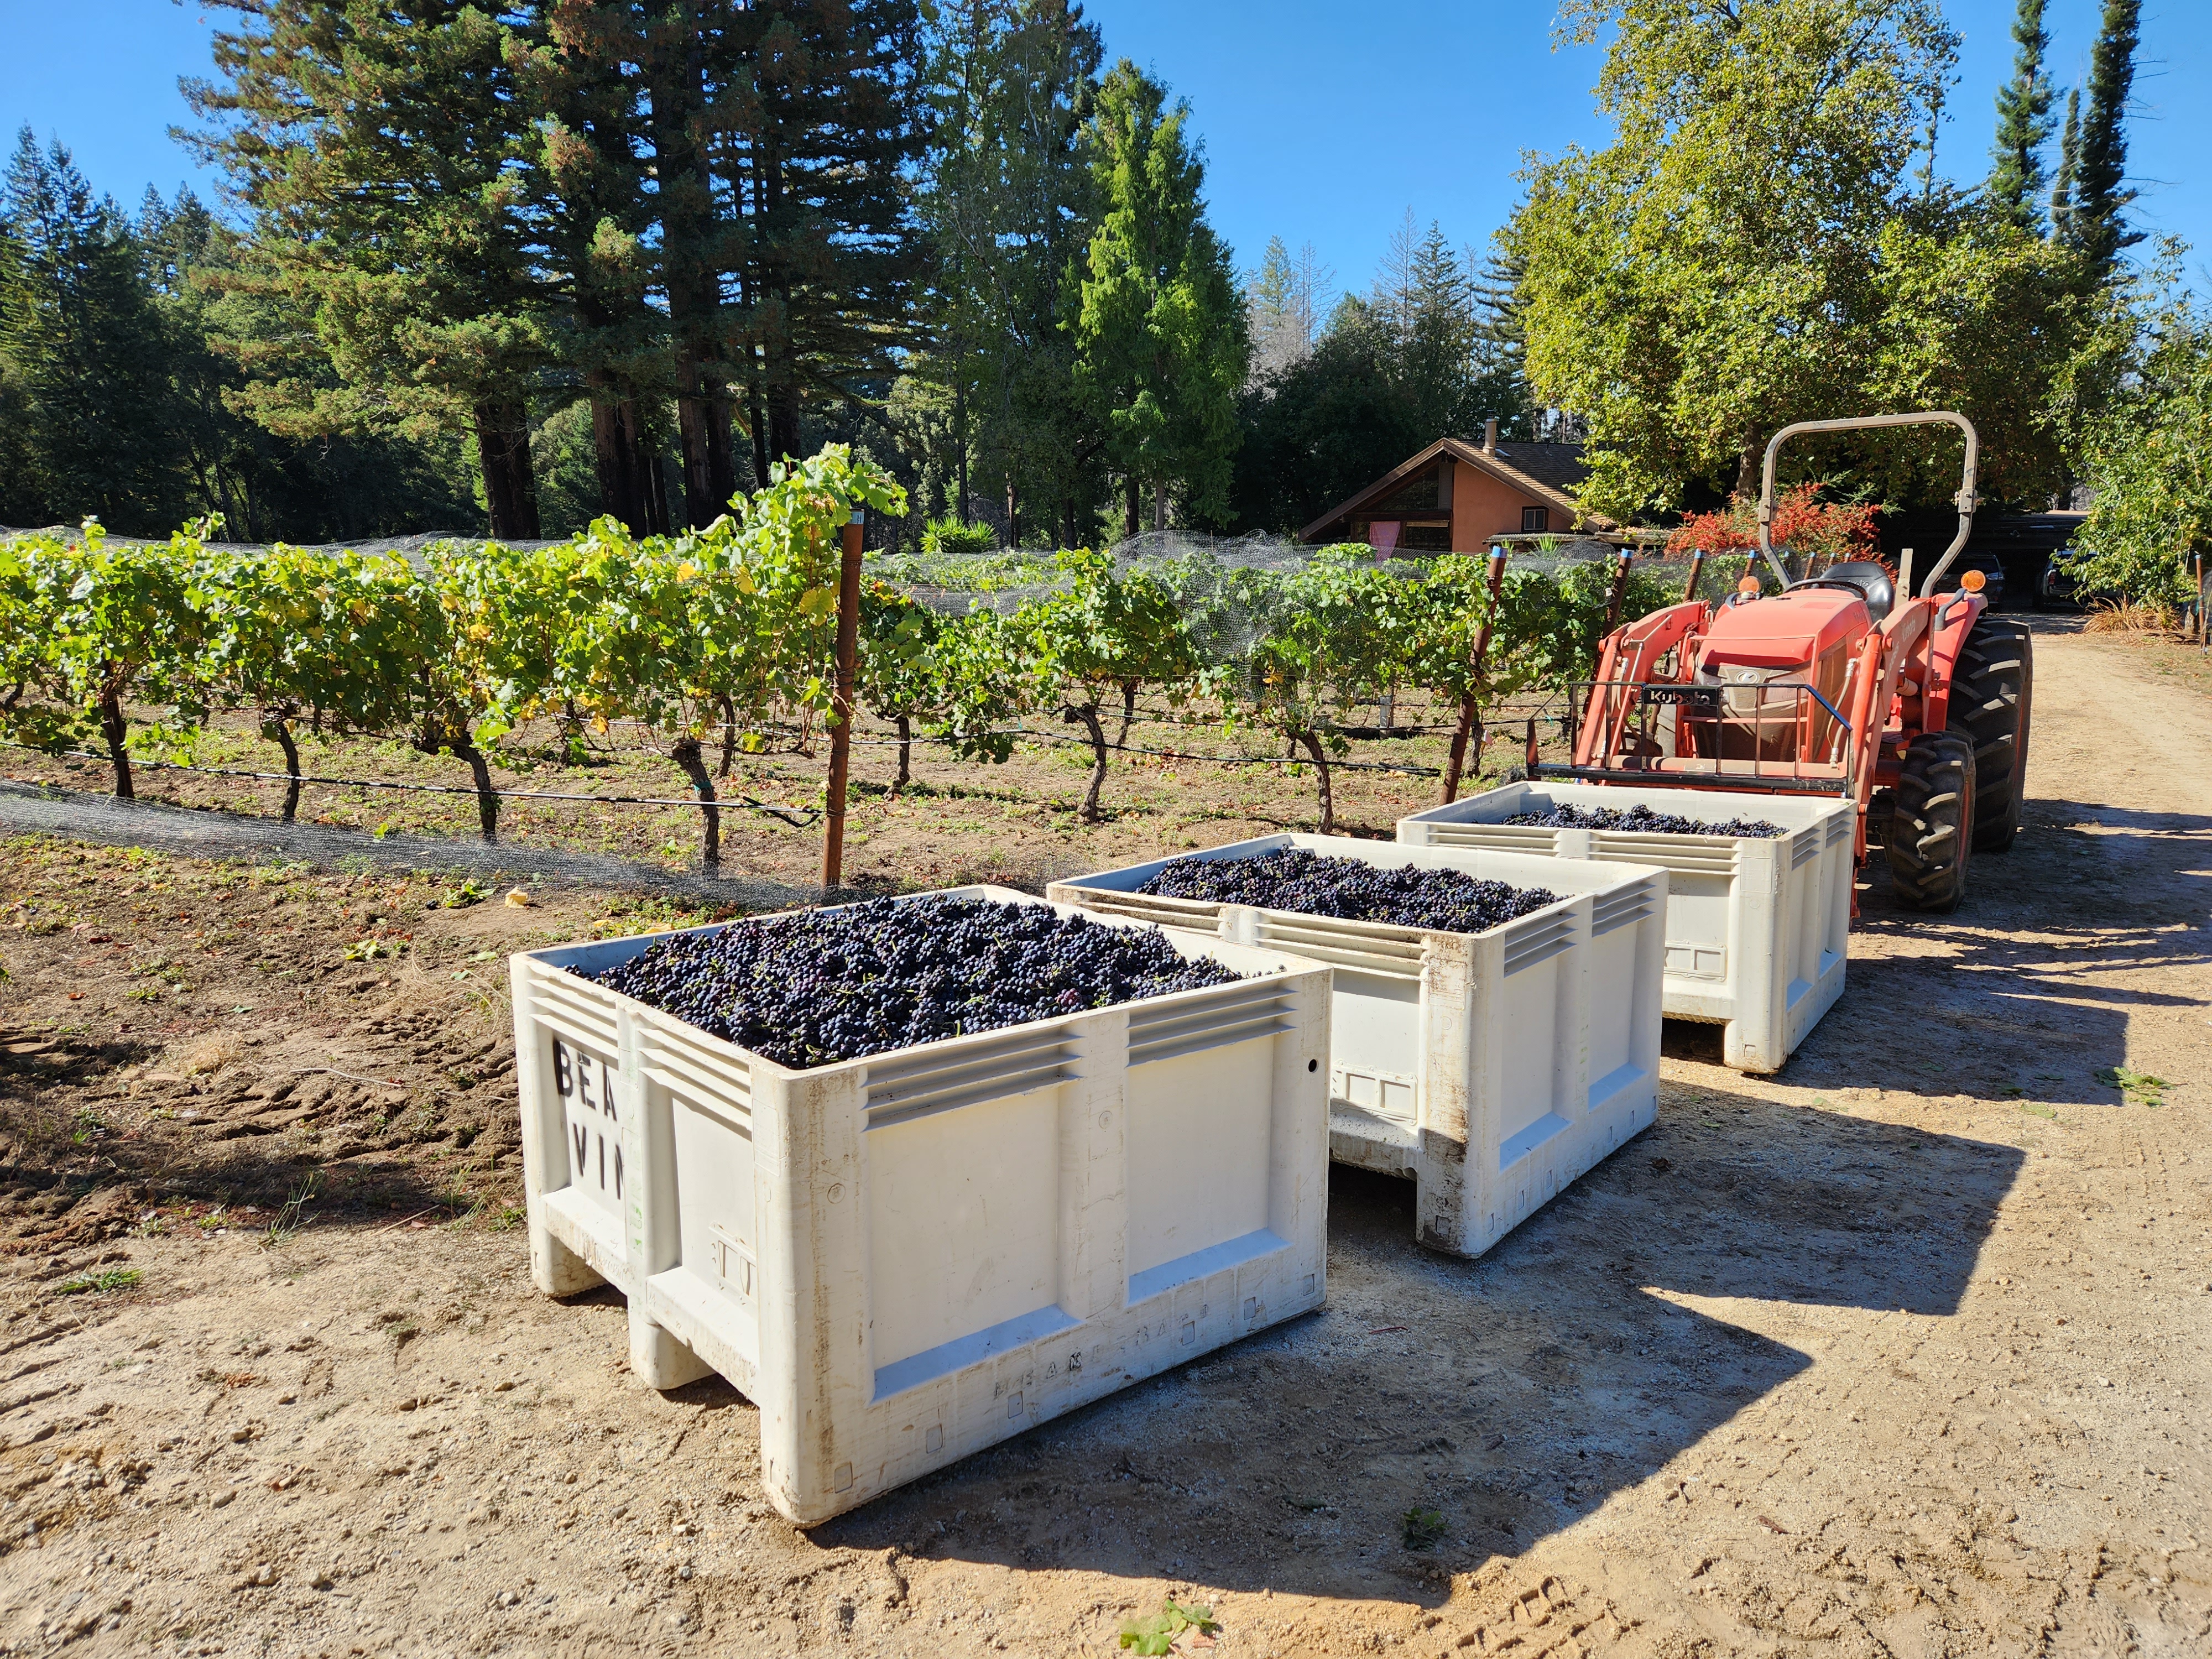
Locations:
{"points": [[715, 636]]}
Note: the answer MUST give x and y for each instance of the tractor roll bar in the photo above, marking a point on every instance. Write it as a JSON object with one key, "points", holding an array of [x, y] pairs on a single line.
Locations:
{"points": [[1965, 498]]}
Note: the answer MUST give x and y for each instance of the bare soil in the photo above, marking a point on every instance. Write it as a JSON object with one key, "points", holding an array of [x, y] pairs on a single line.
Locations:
{"points": [[1906, 1351], [1018, 824]]}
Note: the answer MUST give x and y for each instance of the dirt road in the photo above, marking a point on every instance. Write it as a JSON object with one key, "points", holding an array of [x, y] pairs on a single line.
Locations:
{"points": [[1908, 1350]]}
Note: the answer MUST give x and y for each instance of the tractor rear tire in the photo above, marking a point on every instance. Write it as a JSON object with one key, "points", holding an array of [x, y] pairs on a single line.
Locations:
{"points": [[1992, 685], [1931, 823]]}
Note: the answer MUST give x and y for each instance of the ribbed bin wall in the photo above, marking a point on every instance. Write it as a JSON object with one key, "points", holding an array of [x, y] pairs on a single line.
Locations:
{"points": [[1493, 1068], [1758, 929], [903, 1259]]}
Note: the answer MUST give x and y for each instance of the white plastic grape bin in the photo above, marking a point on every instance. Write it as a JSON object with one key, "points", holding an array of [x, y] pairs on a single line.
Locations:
{"points": [[906, 1258], [1493, 1068], [1758, 928]]}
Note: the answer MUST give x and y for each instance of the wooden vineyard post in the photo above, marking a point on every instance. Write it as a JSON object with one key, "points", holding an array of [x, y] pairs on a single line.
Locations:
{"points": [[1467, 738], [840, 705], [1697, 568], [1619, 591]]}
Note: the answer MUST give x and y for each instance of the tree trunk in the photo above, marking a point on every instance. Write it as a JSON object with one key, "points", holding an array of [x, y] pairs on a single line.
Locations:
{"points": [[1087, 714], [1312, 741], [1129, 508], [277, 726], [1467, 736], [675, 72], [1160, 503], [906, 752], [703, 418], [1128, 712], [686, 755], [783, 419], [623, 460], [510, 482], [757, 412], [960, 431], [1747, 462], [658, 477], [115, 728]]}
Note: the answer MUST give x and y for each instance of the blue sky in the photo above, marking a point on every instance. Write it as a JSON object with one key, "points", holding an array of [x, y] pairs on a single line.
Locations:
{"points": [[1321, 123]]}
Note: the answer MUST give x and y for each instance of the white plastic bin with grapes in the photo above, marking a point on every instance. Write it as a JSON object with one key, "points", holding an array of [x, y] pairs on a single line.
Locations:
{"points": [[908, 1255], [1492, 1065], [1758, 925]]}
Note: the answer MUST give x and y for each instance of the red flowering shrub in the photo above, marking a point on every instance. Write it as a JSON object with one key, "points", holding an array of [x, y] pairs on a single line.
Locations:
{"points": [[1824, 532]]}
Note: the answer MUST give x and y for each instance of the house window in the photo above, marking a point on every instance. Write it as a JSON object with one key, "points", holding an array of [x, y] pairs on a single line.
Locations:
{"points": [[1534, 519]]}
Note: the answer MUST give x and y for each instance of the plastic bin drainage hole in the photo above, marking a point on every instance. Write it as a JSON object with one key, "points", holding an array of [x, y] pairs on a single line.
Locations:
{"points": [[1313, 1065]]}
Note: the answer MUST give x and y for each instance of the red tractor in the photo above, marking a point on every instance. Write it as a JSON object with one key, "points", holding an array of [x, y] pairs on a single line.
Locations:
{"points": [[1916, 706]]}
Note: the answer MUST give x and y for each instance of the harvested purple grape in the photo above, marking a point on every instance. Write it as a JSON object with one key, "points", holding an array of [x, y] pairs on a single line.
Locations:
{"points": [[826, 986], [1350, 890], [1642, 821]]}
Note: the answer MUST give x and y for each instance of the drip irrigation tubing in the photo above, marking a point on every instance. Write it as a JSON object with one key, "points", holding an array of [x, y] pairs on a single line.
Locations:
{"points": [[198, 832], [797, 817]]}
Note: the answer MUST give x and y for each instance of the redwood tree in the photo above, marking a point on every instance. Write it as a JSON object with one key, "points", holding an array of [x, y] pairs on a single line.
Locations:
{"points": [[379, 148]]}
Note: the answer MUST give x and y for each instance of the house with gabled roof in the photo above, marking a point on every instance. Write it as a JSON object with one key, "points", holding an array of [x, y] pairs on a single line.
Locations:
{"points": [[1458, 497]]}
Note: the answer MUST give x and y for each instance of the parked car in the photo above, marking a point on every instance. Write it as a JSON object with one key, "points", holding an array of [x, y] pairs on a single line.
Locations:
{"points": [[2057, 585]]}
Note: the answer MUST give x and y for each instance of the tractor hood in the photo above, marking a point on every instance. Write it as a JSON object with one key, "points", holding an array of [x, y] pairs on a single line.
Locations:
{"points": [[1787, 631]]}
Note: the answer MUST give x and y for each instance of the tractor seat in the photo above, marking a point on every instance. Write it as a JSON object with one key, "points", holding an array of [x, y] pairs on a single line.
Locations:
{"points": [[1861, 576]]}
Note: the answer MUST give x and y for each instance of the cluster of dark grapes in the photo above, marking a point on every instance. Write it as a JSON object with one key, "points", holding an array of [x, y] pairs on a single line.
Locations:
{"points": [[1350, 890], [832, 985], [1642, 821]]}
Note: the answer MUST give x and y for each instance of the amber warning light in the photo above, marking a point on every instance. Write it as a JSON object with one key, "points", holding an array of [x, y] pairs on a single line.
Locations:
{"points": [[1749, 584], [1974, 581]]}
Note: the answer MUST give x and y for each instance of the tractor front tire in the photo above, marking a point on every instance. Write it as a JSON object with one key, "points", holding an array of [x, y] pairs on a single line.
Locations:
{"points": [[1931, 823], [1992, 684]]}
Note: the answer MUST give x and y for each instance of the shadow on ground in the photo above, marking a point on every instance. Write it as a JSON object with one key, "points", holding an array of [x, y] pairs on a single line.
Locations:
{"points": [[1509, 1396], [2025, 993]]}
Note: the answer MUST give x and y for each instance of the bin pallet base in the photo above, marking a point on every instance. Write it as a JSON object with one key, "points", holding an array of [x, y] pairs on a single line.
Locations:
{"points": [[1757, 930], [906, 1258], [1493, 1068]]}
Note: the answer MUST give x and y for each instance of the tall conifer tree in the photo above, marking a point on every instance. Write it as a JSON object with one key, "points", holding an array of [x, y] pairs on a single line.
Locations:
{"points": [[2069, 158], [378, 149], [2024, 123], [588, 166], [1006, 201], [813, 124], [86, 356], [1159, 328], [2097, 224]]}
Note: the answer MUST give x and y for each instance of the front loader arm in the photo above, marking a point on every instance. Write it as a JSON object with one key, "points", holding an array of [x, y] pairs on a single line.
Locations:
{"points": [[1626, 660]]}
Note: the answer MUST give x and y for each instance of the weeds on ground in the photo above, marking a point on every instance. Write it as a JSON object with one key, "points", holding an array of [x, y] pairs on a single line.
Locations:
{"points": [[100, 1284], [2130, 617], [1156, 1633], [2136, 1088], [1424, 1529], [285, 1225]]}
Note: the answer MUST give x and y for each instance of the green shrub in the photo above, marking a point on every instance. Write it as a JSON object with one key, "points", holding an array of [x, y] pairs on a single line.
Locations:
{"points": [[949, 538]]}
